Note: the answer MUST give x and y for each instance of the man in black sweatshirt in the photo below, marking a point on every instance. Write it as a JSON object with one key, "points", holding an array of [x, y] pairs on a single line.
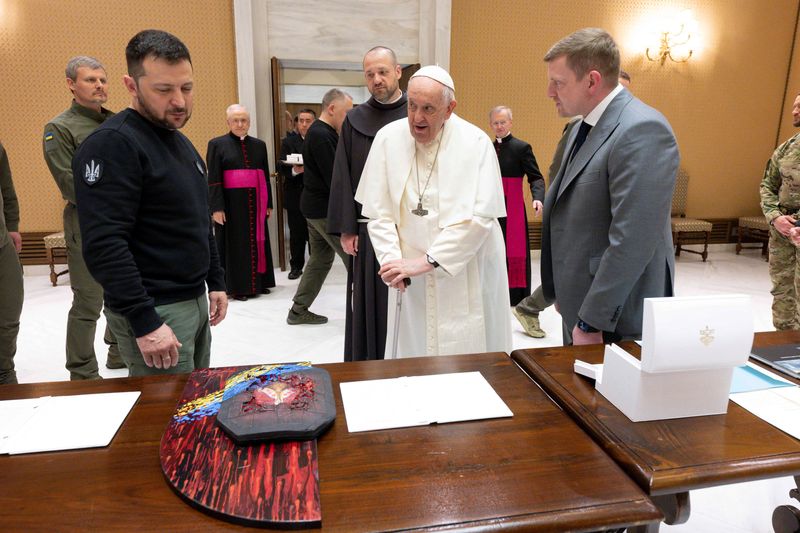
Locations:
{"points": [[319, 151], [143, 209]]}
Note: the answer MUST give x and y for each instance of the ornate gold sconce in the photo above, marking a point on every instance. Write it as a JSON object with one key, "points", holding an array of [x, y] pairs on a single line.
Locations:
{"points": [[675, 43]]}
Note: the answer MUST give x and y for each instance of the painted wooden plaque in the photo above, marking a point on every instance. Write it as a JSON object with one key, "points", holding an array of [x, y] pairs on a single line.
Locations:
{"points": [[274, 484]]}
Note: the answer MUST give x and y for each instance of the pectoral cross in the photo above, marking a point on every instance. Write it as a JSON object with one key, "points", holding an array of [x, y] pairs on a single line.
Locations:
{"points": [[419, 211]]}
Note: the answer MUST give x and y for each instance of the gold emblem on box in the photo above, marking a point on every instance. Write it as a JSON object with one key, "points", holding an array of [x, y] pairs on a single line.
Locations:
{"points": [[707, 336]]}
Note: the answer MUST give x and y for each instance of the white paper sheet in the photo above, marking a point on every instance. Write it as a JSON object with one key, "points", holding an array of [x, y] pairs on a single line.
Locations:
{"points": [[64, 422], [779, 407], [420, 400], [14, 414]]}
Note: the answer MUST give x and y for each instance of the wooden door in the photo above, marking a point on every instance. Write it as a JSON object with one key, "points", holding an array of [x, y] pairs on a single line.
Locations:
{"points": [[279, 130]]}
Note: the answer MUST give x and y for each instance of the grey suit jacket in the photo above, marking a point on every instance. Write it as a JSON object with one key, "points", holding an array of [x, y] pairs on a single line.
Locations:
{"points": [[606, 239]]}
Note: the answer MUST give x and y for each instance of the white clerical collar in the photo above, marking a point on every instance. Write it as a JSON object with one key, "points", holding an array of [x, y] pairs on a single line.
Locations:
{"points": [[500, 139], [393, 100], [594, 115]]}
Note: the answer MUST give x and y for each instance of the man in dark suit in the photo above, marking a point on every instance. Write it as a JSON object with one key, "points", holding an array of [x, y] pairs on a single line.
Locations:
{"points": [[292, 189], [606, 240]]}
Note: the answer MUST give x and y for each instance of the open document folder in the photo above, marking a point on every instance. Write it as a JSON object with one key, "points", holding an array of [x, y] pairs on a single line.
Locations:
{"points": [[54, 423], [419, 401], [778, 404]]}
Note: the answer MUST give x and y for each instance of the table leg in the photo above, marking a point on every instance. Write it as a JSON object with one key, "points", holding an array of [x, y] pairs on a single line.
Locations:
{"points": [[675, 507], [53, 276], [786, 518]]}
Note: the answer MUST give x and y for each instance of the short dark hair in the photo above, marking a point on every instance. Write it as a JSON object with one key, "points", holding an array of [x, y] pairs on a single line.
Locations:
{"points": [[157, 44], [306, 110]]}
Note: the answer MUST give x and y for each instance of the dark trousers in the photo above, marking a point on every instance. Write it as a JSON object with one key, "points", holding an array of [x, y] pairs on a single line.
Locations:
{"points": [[298, 237], [11, 294], [324, 248]]}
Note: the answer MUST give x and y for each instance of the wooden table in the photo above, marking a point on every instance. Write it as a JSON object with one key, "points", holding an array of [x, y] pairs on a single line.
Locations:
{"points": [[667, 458], [534, 471]]}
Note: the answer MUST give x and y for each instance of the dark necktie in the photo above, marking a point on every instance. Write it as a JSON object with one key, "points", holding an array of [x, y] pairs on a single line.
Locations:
{"points": [[583, 131]]}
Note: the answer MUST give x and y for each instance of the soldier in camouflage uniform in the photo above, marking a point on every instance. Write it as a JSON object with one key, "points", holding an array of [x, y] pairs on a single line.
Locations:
{"points": [[86, 78], [11, 289], [780, 202]]}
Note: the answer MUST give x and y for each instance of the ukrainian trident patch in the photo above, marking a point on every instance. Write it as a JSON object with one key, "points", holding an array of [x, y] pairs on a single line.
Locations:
{"points": [[93, 171]]}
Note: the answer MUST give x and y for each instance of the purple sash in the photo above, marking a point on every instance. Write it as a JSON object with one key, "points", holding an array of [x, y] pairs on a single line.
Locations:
{"points": [[255, 178], [516, 247]]}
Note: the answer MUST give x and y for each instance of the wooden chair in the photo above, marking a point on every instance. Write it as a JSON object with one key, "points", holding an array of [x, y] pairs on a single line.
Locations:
{"points": [[687, 230], [56, 249], [753, 229]]}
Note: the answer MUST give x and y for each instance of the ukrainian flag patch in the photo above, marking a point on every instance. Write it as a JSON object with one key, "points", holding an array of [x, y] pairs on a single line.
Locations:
{"points": [[48, 136]]}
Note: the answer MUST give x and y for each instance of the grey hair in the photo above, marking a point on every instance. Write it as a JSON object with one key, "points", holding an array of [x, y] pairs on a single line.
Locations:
{"points": [[448, 95], [81, 61], [332, 96], [589, 49], [499, 108], [233, 108]]}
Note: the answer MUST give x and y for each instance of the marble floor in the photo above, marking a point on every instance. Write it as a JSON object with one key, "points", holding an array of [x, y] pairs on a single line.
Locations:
{"points": [[256, 332]]}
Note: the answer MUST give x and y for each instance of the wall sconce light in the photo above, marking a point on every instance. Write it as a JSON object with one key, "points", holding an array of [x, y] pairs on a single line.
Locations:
{"points": [[675, 40]]}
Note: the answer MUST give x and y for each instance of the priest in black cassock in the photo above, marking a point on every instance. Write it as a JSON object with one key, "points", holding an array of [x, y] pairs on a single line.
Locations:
{"points": [[367, 294], [516, 161], [241, 203]]}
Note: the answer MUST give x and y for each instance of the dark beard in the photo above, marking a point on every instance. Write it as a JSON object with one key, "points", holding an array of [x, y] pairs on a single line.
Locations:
{"points": [[389, 95], [159, 121]]}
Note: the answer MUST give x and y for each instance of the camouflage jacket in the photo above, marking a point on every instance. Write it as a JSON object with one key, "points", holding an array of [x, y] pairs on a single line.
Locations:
{"points": [[780, 188]]}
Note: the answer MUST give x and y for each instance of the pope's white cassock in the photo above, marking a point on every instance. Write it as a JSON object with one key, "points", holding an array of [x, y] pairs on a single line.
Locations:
{"points": [[462, 306]]}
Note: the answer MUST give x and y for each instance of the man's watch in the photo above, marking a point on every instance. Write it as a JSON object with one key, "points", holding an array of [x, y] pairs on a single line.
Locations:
{"points": [[431, 261], [586, 328]]}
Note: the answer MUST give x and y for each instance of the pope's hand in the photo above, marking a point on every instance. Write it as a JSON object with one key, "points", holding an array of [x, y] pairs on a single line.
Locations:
{"points": [[395, 271]]}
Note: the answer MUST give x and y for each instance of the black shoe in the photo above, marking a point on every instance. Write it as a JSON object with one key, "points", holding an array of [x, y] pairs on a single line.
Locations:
{"points": [[295, 273], [265, 291], [240, 297]]}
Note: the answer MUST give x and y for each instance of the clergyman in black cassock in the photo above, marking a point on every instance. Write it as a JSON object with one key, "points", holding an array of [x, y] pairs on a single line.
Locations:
{"points": [[516, 161], [367, 294], [238, 187]]}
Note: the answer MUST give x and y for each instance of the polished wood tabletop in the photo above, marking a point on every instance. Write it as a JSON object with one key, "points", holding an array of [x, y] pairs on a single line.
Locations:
{"points": [[535, 471], [668, 456]]}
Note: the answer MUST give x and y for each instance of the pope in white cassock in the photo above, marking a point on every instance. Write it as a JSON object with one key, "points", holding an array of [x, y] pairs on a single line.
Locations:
{"points": [[432, 190]]}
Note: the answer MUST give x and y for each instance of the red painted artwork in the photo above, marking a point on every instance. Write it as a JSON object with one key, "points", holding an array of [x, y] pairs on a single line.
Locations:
{"points": [[261, 483]]}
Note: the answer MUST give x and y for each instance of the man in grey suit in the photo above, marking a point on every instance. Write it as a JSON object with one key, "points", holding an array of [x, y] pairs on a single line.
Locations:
{"points": [[606, 240]]}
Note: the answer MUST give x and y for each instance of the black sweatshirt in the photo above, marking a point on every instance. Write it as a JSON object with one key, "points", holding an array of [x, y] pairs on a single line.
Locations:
{"points": [[319, 151], [142, 198]]}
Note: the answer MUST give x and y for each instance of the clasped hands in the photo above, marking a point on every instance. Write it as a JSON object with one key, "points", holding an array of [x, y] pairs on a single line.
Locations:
{"points": [[785, 226], [395, 271]]}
